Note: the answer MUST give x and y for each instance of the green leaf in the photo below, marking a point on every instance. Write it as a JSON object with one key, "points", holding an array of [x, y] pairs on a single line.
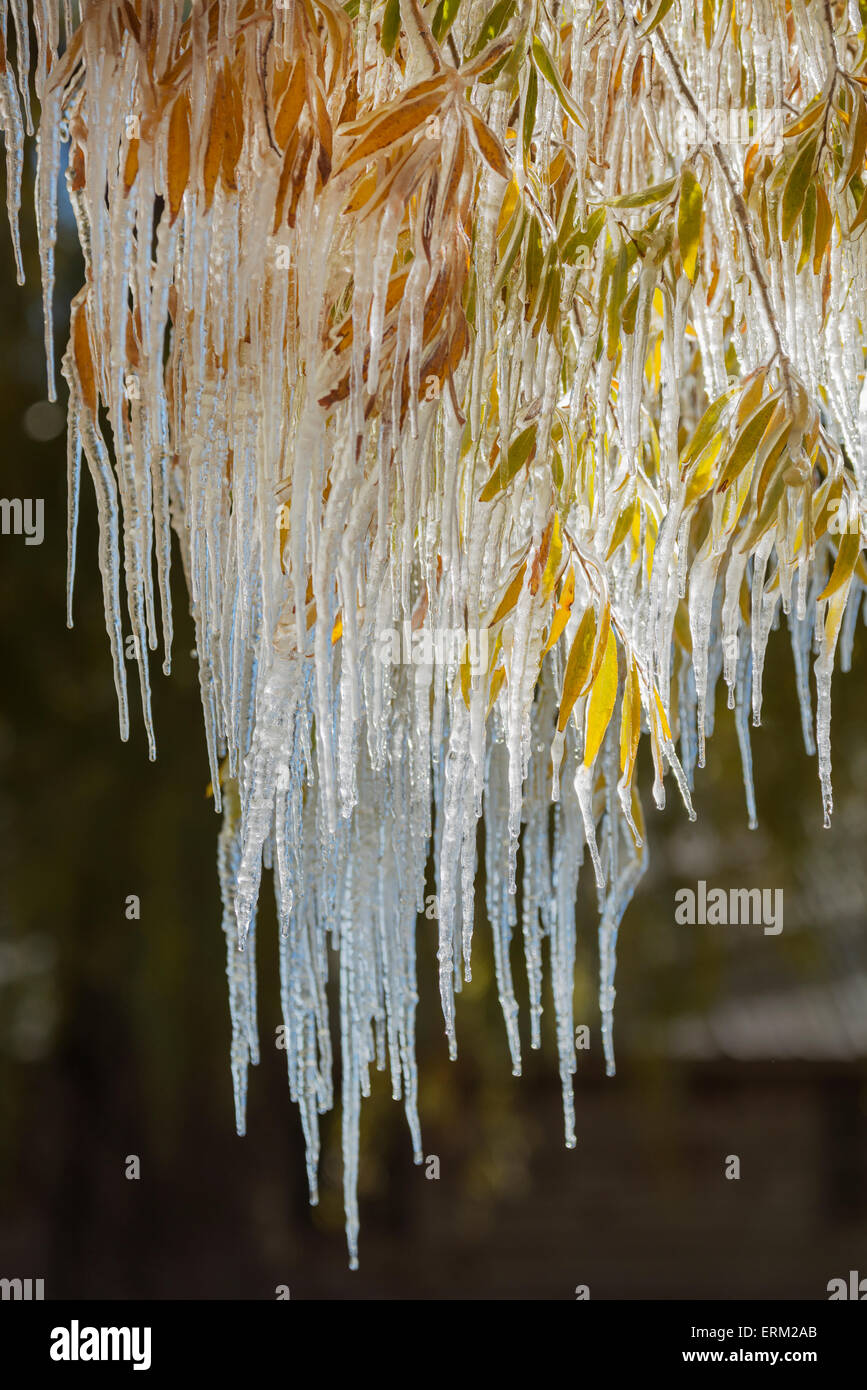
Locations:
{"points": [[747, 442], [795, 190], [654, 194], [534, 262], [521, 450], [630, 305], [444, 18], [547, 68], [618, 294], [585, 238], [390, 27], [493, 24], [529, 120]]}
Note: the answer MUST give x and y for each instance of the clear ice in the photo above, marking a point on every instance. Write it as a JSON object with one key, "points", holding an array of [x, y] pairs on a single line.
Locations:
{"points": [[450, 435]]}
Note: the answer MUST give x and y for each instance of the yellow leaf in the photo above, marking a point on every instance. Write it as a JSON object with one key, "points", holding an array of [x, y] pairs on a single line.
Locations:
{"points": [[562, 611], [707, 425], [657, 15], [622, 527], [844, 565], [496, 683], [859, 140], [702, 475], [689, 217], [601, 704], [630, 719], [552, 570], [510, 597], [577, 666]]}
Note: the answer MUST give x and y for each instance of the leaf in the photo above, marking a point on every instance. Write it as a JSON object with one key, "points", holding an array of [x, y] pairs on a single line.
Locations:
{"points": [[130, 168], [511, 596], [795, 190], [622, 527], [292, 105], [630, 719], [824, 223], [860, 216], [446, 14], [391, 26], [602, 700], [702, 472], [847, 556], [216, 137], [578, 666], [707, 424], [751, 398], [585, 238], [547, 69], [178, 153], [617, 296], [528, 123], [859, 140], [553, 557], [657, 16], [808, 224], [496, 683], [487, 143], [234, 141], [493, 25], [521, 450], [562, 611], [654, 194], [83, 356], [814, 111], [689, 218], [397, 119], [747, 442]]}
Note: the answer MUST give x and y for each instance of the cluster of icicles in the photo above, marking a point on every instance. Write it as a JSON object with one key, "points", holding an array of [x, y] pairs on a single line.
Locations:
{"points": [[379, 322]]}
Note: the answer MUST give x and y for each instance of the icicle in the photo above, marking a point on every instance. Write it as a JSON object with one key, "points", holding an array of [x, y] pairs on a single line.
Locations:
{"points": [[452, 425]]}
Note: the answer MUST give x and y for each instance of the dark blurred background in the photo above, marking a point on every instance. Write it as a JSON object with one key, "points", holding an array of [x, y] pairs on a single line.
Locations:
{"points": [[114, 1033]]}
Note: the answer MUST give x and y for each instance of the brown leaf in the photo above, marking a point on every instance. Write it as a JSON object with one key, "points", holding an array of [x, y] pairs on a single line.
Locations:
{"points": [[83, 356], [216, 139], [178, 153], [292, 105]]}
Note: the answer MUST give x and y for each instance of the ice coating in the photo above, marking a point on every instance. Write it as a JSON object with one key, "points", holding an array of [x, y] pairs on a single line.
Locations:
{"points": [[450, 422]]}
